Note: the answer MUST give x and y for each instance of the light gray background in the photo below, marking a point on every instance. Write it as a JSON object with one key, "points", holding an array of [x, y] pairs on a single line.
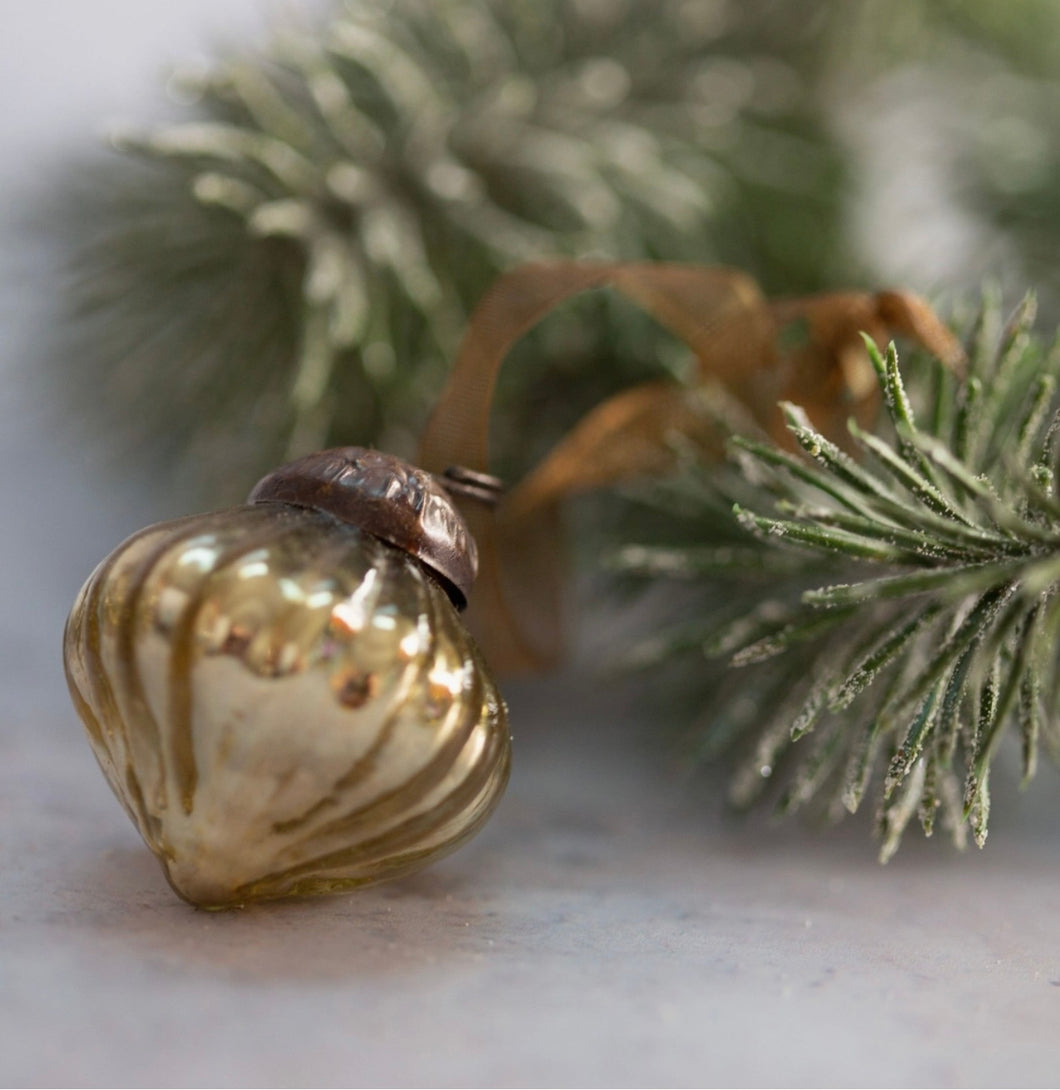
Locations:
{"points": [[610, 927]]}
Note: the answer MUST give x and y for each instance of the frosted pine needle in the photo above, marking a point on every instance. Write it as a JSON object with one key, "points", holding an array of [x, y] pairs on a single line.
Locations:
{"points": [[917, 627]]}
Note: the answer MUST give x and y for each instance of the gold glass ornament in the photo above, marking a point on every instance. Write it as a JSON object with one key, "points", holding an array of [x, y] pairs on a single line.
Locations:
{"points": [[282, 695]]}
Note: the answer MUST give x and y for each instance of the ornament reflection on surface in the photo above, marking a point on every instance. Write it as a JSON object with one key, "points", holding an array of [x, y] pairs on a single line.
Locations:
{"points": [[283, 697]]}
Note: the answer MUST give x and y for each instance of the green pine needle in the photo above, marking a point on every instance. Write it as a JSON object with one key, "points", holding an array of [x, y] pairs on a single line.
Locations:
{"points": [[921, 627]]}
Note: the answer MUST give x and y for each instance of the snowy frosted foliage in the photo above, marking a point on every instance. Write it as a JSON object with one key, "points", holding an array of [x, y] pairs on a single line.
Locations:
{"points": [[899, 609]]}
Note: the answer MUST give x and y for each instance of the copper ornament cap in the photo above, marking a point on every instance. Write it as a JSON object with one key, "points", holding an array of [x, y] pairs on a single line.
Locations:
{"points": [[387, 497]]}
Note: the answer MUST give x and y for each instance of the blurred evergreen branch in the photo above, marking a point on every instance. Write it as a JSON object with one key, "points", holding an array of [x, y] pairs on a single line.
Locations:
{"points": [[292, 265], [291, 261], [885, 621]]}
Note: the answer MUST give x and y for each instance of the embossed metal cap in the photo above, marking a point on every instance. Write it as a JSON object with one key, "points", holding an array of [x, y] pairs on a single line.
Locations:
{"points": [[384, 496]]}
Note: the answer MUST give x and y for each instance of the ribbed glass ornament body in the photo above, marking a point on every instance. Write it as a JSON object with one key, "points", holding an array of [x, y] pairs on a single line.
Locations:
{"points": [[284, 704]]}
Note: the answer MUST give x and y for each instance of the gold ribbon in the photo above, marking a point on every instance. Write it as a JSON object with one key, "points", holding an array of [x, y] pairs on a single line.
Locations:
{"points": [[735, 335]]}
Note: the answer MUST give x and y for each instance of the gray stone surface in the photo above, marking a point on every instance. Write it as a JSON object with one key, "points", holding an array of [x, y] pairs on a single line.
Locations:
{"points": [[609, 928]]}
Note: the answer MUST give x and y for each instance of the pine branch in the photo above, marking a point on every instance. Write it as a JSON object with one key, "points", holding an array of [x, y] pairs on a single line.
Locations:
{"points": [[302, 246], [918, 628]]}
